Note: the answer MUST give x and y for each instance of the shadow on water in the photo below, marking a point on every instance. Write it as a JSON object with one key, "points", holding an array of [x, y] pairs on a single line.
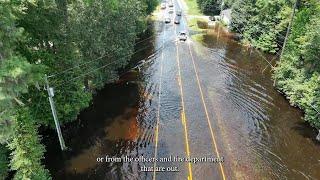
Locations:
{"points": [[108, 127], [114, 125]]}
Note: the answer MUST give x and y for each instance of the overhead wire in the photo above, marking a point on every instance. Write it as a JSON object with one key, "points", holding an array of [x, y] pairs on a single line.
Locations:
{"points": [[96, 59], [276, 41], [104, 66], [269, 62]]}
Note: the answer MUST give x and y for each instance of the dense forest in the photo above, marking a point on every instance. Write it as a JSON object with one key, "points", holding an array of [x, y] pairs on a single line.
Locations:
{"points": [[79, 44], [298, 72], [263, 24]]}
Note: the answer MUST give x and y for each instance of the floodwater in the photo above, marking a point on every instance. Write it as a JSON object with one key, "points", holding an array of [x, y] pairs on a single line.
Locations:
{"points": [[212, 98]]}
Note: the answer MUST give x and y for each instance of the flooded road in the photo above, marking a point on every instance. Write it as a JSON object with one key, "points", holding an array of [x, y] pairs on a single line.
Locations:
{"points": [[210, 99]]}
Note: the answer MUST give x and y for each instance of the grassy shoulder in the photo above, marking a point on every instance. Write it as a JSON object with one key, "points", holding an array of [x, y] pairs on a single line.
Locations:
{"points": [[197, 24], [194, 20], [193, 8]]}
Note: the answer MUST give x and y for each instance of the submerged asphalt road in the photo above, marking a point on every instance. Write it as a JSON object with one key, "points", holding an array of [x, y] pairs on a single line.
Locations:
{"points": [[191, 133]]}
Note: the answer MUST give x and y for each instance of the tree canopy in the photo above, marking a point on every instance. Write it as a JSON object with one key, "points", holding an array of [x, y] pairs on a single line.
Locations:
{"points": [[298, 72], [82, 44]]}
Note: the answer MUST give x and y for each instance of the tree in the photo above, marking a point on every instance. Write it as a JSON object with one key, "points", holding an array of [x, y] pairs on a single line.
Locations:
{"points": [[27, 152], [81, 43], [262, 23], [298, 72], [4, 168], [210, 7]]}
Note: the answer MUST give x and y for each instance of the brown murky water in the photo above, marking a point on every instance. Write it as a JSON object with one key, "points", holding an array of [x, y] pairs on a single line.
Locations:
{"points": [[258, 133]]}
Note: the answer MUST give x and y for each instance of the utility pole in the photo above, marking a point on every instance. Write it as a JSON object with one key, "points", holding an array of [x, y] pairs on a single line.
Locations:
{"points": [[54, 114], [288, 29], [221, 7]]}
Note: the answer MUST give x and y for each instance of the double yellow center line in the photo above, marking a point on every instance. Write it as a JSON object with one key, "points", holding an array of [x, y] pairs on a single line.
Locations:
{"points": [[183, 115]]}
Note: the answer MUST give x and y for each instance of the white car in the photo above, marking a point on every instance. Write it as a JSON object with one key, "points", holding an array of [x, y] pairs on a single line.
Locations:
{"points": [[170, 4], [182, 36], [163, 5], [167, 20]]}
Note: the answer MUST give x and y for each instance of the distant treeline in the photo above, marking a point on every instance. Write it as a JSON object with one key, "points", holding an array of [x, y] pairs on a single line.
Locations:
{"points": [[81, 42], [263, 24]]}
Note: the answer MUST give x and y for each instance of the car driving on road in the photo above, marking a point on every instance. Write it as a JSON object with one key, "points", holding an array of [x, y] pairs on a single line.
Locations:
{"points": [[182, 36], [178, 12], [163, 5], [177, 20], [167, 20], [170, 4]]}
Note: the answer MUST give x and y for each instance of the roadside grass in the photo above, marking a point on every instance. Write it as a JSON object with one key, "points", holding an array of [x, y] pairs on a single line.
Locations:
{"points": [[198, 37], [193, 8], [197, 24]]}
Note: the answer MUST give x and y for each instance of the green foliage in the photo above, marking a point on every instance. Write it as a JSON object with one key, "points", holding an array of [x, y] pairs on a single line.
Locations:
{"points": [[16, 74], [298, 72], [94, 37], [228, 3], [3, 162], [210, 7], [151, 5], [27, 151], [9, 33], [193, 7], [262, 23], [108, 34]]}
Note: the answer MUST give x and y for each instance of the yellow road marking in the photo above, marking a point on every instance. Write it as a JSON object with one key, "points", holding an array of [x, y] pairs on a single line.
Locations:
{"points": [[183, 116], [206, 112], [158, 112]]}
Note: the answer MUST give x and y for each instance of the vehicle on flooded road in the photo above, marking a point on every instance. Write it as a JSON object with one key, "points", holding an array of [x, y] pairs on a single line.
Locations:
{"points": [[177, 20], [163, 5], [178, 12], [182, 36], [167, 20]]}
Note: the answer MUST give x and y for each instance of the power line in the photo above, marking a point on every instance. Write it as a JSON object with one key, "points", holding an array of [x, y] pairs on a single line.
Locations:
{"points": [[269, 62], [99, 58], [104, 66], [284, 43], [256, 36], [289, 27], [258, 50], [285, 40]]}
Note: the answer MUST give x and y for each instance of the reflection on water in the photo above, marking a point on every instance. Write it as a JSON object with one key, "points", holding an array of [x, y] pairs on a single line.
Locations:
{"points": [[124, 127], [119, 123], [263, 133]]}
